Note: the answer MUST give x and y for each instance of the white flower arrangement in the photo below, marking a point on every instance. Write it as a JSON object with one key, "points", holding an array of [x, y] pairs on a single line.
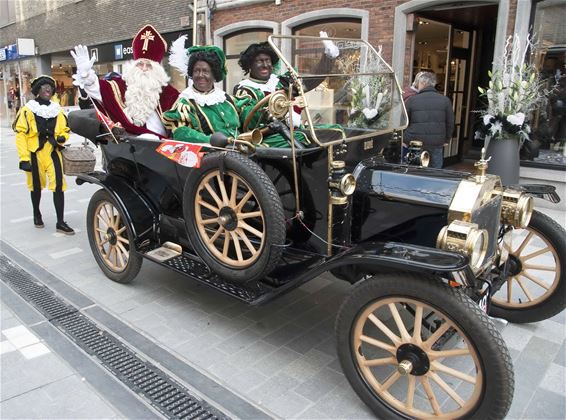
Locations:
{"points": [[514, 91]]}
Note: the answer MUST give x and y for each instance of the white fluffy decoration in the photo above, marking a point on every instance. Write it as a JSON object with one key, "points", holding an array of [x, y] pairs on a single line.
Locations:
{"points": [[214, 97], [44, 111], [178, 56]]}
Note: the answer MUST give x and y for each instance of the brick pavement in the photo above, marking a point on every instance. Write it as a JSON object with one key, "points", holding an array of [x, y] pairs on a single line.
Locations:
{"points": [[281, 356]]}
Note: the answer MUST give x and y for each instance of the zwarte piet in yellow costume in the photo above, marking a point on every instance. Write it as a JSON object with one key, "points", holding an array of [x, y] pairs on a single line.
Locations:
{"points": [[41, 131]]}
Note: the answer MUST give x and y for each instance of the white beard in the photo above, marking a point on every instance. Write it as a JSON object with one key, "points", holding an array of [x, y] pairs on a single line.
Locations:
{"points": [[143, 90]]}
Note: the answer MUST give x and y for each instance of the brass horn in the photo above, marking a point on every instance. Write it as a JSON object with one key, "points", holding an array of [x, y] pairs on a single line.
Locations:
{"points": [[254, 137]]}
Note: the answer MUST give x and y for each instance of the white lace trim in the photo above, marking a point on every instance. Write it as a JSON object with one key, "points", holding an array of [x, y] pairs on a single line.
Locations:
{"points": [[216, 96], [269, 86], [44, 111]]}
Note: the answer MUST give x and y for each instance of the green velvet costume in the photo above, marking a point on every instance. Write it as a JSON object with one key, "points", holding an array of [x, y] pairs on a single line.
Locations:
{"points": [[255, 90], [195, 116]]}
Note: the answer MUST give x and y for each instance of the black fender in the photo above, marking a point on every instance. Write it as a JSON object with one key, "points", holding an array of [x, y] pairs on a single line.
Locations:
{"points": [[373, 257], [138, 212], [544, 191], [401, 256]]}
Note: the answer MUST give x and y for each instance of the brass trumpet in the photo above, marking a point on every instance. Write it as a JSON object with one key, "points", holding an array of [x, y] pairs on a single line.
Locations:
{"points": [[247, 142]]}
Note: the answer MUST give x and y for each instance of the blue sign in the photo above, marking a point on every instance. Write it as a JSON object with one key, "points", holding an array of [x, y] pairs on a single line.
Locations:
{"points": [[12, 52], [118, 54]]}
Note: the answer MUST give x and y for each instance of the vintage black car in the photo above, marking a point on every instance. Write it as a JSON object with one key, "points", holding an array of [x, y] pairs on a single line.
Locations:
{"points": [[428, 252]]}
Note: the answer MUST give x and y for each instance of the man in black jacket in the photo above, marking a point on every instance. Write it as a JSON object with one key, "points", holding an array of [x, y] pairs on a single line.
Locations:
{"points": [[431, 119]]}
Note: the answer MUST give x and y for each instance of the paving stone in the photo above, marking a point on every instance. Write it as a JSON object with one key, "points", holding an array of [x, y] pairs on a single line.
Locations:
{"points": [[554, 379], [253, 353], [273, 388], [320, 385], [240, 341], [20, 375], [309, 340], [560, 358], [515, 337], [283, 335], [289, 405], [274, 362], [308, 365], [545, 405], [66, 398], [246, 380], [343, 403], [530, 368]]}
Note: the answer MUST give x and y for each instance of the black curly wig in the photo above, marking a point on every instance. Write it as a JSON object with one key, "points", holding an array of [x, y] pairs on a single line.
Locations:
{"points": [[40, 81], [248, 56], [209, 57]]}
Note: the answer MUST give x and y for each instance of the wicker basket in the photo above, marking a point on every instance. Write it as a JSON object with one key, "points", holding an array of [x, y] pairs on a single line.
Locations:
{"points": [[78, 160]]}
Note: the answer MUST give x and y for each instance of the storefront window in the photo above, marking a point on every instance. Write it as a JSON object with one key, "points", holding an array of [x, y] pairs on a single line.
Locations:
{"points": [[234, 44], [549, 132]]}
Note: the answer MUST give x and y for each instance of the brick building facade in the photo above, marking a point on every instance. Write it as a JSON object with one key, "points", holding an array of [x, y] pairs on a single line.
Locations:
{"points": [[400, 27]]}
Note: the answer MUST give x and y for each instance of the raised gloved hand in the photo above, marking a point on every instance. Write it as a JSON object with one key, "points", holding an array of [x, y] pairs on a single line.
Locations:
{"points": [[330, 48], [82, 60], [25, 165]]}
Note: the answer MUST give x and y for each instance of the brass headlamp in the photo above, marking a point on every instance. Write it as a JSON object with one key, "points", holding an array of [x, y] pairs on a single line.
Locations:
{"points": [[465, 238], [516, 208]]}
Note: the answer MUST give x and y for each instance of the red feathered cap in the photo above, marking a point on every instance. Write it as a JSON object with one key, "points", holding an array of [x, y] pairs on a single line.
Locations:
{"points": [[149, 44]]}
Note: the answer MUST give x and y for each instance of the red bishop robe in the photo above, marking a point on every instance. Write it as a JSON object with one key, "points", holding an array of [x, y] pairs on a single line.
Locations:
{"points": [[113, 102]]}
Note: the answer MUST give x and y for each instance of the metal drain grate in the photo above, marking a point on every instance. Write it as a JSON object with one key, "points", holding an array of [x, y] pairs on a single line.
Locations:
{"points": [[156, 387]]}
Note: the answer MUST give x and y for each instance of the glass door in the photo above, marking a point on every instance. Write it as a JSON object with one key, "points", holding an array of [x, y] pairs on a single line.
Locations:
{"points": [[457, 89]]}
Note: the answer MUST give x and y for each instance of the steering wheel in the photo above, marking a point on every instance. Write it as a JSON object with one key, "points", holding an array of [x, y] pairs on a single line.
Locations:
{"points": [[257, 107]]}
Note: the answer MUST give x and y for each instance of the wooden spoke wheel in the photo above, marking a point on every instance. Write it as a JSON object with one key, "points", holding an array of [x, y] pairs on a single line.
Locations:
{"points": [[534, 289], [230, 219], [234, 217], [111, 239], [412, 347]]}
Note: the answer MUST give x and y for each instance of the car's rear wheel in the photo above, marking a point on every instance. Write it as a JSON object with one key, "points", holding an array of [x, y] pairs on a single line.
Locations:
{"points": [[111, 239], [413, 347], [234, 217], [535, 289]]}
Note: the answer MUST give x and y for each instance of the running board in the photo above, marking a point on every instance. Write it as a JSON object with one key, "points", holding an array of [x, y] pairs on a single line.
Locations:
{"points": [[253, 293]]}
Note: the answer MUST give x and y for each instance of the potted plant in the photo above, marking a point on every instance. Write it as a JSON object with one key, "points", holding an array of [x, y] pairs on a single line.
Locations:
{"points": [[514, 91]]}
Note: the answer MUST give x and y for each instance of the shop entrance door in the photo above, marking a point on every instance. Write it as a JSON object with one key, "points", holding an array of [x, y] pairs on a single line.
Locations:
{"points": [[458, 90], [446, 50]]}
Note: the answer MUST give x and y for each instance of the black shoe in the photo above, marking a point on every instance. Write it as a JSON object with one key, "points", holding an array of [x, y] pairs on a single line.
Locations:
{"points": [[38, 222], [63, 227]]}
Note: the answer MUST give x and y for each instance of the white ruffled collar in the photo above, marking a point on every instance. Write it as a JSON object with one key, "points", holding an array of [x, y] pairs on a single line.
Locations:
{"points": [[268, 86], [44, 111], [216, 96]]}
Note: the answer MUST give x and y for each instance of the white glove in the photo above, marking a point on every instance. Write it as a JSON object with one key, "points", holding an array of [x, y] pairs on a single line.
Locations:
{"points": [[82, 60], [330, 48], [84, 81]]}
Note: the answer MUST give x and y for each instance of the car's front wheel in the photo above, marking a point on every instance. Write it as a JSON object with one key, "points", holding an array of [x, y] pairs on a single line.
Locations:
{"points": [[536, 286], [111, 239], [413, 347]]}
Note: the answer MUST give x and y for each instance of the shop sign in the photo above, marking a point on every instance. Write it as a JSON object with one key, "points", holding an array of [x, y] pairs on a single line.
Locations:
{"points": [[12, 52], [2, 54], [26, 46]]}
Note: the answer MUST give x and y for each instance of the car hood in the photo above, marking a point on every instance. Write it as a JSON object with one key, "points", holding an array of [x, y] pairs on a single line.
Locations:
{"points": [[409, 184]]}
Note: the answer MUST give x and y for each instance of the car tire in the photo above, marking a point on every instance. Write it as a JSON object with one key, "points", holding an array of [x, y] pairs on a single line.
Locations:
{"points": [[111, 239], [372, 345], [525, 296], [234, 217]]}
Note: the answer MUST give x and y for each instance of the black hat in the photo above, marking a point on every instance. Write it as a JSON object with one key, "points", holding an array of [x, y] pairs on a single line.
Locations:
{"points": [[40, 81], [248, 56]]}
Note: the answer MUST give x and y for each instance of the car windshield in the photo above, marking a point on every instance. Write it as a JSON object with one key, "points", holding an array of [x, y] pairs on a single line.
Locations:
{"points": [[356, 92]]}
